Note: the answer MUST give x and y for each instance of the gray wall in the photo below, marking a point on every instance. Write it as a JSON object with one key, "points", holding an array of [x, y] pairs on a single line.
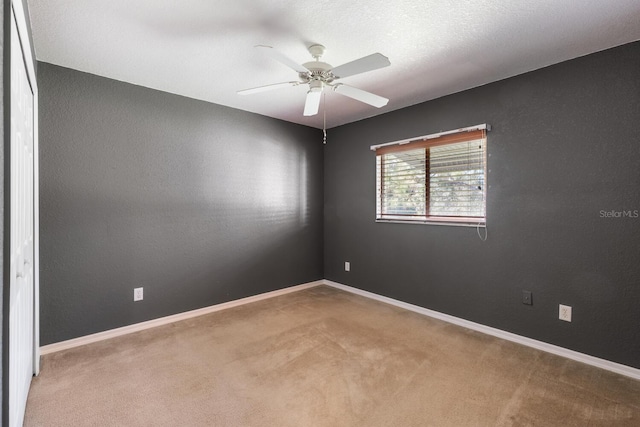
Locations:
{"points": [[197, 203], [565, 145]]}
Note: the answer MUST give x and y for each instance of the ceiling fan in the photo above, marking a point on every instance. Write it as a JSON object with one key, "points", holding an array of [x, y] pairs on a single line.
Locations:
{"points": [[320, 75]]}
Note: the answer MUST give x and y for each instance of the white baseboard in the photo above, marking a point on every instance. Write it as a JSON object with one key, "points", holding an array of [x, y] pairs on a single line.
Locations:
{"points": [[540, 345], [112, 333]]}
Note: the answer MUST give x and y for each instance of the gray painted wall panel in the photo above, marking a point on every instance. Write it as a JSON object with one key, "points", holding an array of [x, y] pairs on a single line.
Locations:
{"points": [[197, 203], [565, 145]]}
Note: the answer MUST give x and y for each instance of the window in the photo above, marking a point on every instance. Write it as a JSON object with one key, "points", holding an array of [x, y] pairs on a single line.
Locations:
{"points": [[433, 179]]}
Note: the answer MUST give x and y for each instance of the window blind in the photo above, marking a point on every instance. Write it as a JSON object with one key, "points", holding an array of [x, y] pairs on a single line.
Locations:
{"points": [[439, 179]]}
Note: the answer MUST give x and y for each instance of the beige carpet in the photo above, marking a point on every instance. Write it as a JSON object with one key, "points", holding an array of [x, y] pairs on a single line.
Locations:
{"points": [[322, 357]]}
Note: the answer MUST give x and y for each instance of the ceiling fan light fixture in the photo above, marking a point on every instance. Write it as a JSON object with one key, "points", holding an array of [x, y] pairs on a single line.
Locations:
{"points": [[315, 86]]}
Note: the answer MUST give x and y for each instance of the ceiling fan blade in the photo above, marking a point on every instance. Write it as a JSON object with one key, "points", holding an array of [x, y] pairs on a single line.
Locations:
{"points": [[266, 88], [312, 104], [282, 58], [362, 65], [361, 95]]}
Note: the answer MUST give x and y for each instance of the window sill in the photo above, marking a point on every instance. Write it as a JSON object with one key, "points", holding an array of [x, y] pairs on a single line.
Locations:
{"points": [[460, 222]]}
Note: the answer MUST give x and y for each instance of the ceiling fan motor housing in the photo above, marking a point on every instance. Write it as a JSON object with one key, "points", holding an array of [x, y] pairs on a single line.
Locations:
{"points": [[318, 70]]}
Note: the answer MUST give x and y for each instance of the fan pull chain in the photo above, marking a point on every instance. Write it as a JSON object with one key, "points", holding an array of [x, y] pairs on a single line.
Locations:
{"points": [[324, 113]]}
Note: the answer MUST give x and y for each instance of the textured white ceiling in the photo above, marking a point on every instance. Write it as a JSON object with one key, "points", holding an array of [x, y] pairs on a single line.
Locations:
{"points": [[203, 49]]}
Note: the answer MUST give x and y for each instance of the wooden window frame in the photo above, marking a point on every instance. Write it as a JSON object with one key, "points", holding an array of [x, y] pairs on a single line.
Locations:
{"points": [[427, 142]]}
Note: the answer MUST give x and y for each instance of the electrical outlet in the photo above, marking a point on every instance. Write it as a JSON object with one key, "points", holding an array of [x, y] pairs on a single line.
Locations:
{"points": [[347, 266], [527, 298], [565, 313], [137, 294]]}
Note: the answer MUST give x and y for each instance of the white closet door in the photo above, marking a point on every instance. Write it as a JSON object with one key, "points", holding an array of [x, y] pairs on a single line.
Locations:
{"points": [[21, 308]]}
